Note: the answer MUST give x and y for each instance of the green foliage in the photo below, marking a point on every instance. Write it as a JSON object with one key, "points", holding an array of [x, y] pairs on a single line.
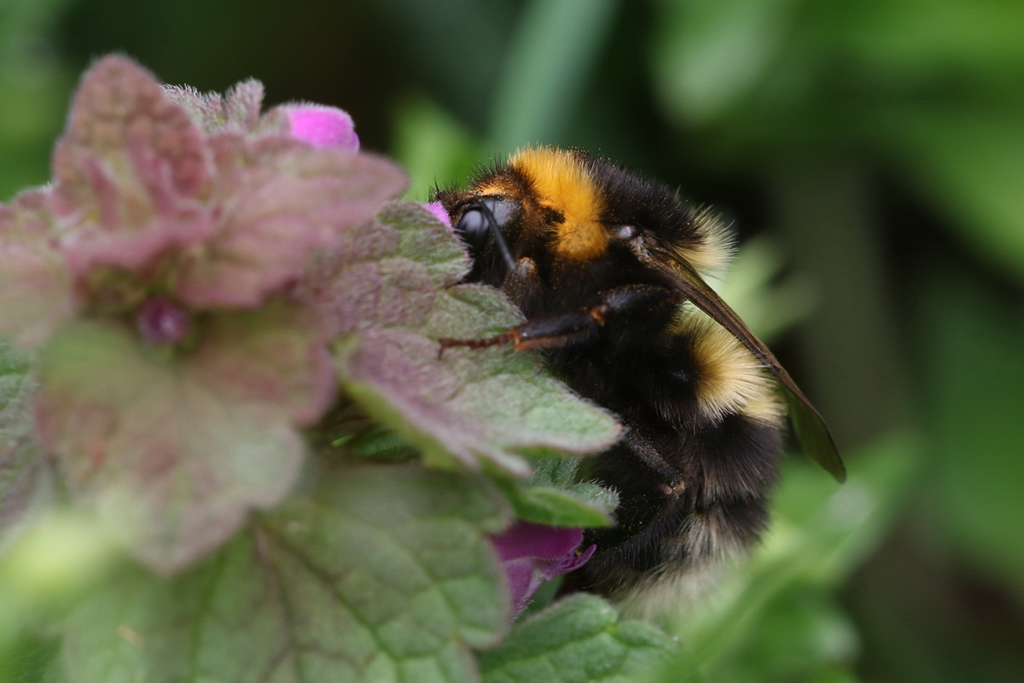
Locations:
{"points": [[753, 288], [581, 639], [976, 382], [552, 495], [434, 149], [44, 571], [546, 69], [576, 506], [33, 88], [932, 89], [708, 56], [969, 162], [774, 618], [381, 576]]}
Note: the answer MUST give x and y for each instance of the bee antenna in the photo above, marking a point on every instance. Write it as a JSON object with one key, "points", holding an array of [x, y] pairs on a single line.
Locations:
{"points": [[502, 245]]}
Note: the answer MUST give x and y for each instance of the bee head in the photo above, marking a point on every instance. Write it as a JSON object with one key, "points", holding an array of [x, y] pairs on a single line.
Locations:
{"points": [[578, 209]]}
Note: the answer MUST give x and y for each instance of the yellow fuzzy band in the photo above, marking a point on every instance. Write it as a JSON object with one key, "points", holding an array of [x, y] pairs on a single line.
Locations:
{"points": [[563, 184], [731, 380]]}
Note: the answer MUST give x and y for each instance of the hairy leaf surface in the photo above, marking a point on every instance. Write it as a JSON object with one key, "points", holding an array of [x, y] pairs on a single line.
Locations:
{"points": [[384, 575], [461, 407], [580, 639]]}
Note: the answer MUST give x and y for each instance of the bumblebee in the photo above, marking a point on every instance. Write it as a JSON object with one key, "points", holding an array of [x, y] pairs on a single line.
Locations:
{"points": [[606, 267]]}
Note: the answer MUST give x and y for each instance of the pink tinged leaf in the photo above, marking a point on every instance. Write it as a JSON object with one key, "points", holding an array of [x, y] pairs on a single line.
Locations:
{"points": [[162, 321], [130, 171], [390, 293], [384, 272], [426, 241], [399, 372], [279, 202], [532, 554], [174, 454], [119, 104], [135, 250], [242, 111], [236, 112], [437, 210], [322, 126], [242, 105], [205, 109], [275, 357], [344, 295], [35, 285]]}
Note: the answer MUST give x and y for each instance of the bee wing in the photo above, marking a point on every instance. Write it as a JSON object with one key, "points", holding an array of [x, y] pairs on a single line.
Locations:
{"points": [[808, 424]]}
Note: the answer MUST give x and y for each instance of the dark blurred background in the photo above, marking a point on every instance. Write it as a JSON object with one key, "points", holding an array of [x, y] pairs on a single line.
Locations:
{"points": [[870, 154]]}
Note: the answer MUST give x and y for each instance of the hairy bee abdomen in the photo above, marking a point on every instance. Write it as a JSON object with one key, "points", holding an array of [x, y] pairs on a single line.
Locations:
{"points": [[701, 402]]}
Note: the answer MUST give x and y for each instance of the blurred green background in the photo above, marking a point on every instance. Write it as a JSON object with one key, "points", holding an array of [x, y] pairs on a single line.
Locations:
{"points": [[871, 156]]}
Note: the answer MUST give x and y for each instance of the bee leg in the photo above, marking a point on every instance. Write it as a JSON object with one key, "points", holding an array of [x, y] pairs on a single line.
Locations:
{"points": [[523, 284], [631, 307], [644, 451], [634, 307]]}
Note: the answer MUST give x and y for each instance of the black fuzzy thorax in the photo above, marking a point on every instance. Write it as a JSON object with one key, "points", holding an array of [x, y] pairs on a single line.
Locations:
{"points": [[633, 199]]}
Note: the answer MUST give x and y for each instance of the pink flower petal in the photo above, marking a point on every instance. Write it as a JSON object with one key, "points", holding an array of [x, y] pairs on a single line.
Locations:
{"points": [[322, 126], [439, 213], [536, 541], [532, 554]]}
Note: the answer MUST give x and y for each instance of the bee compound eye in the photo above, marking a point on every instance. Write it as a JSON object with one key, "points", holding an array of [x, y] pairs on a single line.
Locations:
{"points": [[482, 217], [472, 226]]}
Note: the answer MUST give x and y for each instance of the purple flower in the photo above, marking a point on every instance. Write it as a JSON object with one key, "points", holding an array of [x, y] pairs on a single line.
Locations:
{"points": [[534, 553], [322, 126], [439, 212]]}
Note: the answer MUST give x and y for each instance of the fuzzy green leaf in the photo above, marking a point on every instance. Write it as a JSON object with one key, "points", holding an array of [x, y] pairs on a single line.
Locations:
{"points": [[428, 241], [384, 273], [391, 294], [553, 496], [975, 387], [557, 473], [971, 165], [579, 639], [558, 507], [561, 474], [384, 575], [24, 478], [176, 451]]}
